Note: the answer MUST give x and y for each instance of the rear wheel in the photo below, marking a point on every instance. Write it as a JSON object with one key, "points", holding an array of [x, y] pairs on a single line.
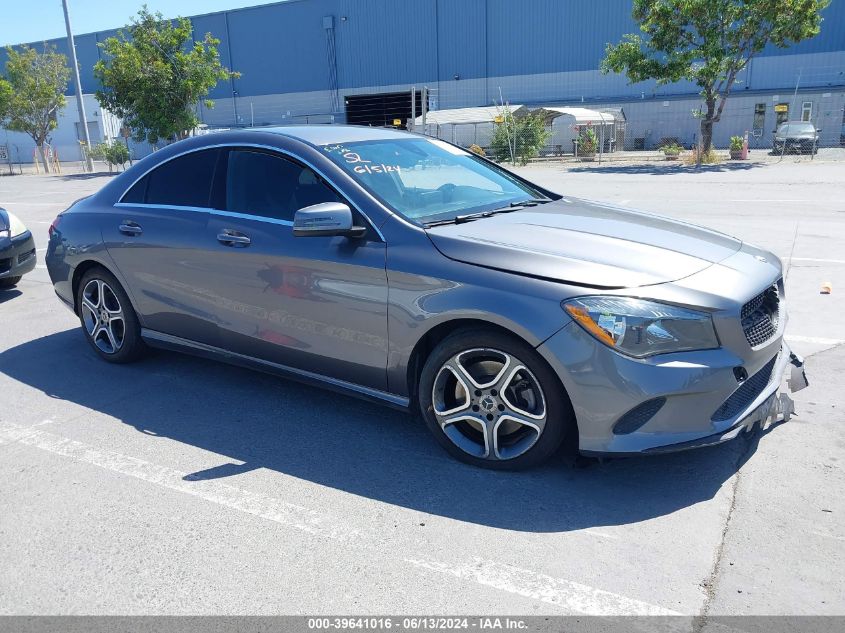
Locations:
{"points": [[490, 400], [8, 282], [107, 317]]}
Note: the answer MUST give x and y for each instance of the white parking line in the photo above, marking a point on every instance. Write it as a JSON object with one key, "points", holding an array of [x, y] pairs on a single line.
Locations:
{"points": [[823, 261], [572, 597], [814, 339]]}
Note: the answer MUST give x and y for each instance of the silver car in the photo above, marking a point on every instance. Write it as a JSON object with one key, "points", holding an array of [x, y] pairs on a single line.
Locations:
{"points": [[406, 270]]}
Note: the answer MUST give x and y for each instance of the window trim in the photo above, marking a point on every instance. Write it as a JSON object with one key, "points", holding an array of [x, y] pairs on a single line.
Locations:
{"points": [[246, 216]]}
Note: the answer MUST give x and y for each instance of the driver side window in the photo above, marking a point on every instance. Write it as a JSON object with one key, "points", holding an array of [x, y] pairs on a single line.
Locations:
{"points": [[264, 184]]}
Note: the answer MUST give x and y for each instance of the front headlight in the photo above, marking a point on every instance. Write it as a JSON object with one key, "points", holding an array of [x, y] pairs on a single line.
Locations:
{"points": [[16, 227], [643, 328]]}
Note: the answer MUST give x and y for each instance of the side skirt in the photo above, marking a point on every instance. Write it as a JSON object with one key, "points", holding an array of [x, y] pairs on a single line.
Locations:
{"points": [[175, 343]]}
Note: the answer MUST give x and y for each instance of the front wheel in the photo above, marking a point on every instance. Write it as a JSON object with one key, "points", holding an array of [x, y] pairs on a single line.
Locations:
{"points": [[490, 400], [107, 317], [8, 282]]}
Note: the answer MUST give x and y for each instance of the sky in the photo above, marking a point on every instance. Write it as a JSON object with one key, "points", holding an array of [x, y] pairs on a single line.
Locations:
{"points": [[39, 20]]}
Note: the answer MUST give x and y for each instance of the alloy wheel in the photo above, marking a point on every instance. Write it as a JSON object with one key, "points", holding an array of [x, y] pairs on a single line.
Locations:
{"points": [[103, 316], [489, 404]]}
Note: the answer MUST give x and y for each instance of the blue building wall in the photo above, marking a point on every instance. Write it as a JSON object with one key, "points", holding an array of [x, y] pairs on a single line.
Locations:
{"points": [[282, 48]]}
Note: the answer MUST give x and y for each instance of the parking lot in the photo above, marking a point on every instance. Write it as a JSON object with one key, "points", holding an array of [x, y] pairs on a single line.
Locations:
{"points": [[178, 485]]}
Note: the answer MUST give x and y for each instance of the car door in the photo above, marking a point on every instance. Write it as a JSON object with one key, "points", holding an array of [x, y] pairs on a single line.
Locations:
{"points": [[156, 235], [317, 304]]}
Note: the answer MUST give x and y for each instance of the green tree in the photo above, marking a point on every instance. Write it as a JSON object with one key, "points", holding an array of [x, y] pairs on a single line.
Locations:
{"points": [[112, 152], [708, 42], [33, 92], [519, 138], [153, 77], [5, 99]]}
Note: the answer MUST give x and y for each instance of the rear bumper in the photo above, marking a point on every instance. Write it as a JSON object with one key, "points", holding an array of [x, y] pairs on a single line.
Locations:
{"points": [[17, 255], [691, 390]]}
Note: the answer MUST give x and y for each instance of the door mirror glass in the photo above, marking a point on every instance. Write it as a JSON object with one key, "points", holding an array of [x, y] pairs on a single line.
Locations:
{"points": [[326, 219]]}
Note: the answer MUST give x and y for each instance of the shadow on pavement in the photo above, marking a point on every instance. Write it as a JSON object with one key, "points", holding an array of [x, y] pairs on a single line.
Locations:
{"points": [[666, 168], [7, 294], [98, 174], [357, 447]]}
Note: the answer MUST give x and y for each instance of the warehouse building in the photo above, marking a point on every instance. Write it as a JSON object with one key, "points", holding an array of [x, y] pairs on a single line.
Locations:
{"points": [[357, 61]]}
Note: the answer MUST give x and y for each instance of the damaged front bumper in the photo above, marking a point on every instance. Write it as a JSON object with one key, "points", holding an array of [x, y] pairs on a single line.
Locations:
{"points": [[776, 406]]}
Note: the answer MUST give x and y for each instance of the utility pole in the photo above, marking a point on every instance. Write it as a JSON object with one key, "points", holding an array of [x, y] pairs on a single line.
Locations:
{"points": [[80, 104], [424, 107]]}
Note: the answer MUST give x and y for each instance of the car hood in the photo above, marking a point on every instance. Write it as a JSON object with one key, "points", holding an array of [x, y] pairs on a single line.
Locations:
{"points": [[586, 244]]}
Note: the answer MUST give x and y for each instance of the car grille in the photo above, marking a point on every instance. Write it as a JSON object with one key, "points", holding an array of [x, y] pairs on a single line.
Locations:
{"points": [[25, 256], [746, 393], [761, 315]]}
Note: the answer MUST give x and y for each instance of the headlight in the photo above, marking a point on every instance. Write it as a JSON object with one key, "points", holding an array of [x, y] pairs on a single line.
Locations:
{"points": [[642, 328], [16, 227]]}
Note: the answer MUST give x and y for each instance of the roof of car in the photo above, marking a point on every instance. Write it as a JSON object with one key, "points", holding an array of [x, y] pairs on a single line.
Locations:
{"points": [[326, 134]]}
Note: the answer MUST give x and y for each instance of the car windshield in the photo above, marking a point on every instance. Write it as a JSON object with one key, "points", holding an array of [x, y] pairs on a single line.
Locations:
{"points": [[796, 128], [427, 180]]}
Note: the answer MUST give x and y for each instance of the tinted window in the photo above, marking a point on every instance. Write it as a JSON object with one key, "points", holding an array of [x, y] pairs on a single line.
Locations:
{"points": [[138, 192], [263, 184], [184, 181]]}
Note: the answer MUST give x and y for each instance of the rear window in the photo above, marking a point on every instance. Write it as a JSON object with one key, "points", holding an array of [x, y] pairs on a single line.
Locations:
{"points": [[184, 182], [796, 128]]}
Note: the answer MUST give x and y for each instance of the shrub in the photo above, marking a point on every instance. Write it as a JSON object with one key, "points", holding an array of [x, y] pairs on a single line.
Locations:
{"points": [[588, 142], [736, 143], [673, 149], [710, 157], [112, 153], [524, 137]]}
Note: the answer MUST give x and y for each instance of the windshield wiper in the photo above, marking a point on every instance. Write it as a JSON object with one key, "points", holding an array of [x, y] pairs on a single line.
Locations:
{"points": [[469, 217]]}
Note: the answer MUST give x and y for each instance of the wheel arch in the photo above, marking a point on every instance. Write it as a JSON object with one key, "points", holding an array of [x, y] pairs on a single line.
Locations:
{"points": [[432, 337], [86, 265]]}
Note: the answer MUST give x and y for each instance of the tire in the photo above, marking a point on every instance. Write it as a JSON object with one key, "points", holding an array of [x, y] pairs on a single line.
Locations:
{"points": [[480, 425], [8, 282], [108, 320]]}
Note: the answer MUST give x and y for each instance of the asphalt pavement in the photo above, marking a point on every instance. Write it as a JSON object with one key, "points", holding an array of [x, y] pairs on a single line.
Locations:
{"points": [[181, 486]]}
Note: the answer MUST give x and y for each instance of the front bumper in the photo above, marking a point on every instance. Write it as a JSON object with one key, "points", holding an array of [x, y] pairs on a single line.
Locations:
{"points": [[693, 387], [17, 255]]}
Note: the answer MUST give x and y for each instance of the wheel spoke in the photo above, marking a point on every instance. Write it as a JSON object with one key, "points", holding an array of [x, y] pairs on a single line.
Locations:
{"points": [[454, 365], [110, 336], [459, 376], [505, 385], [507, 362], [524, 444], [86, 302]]}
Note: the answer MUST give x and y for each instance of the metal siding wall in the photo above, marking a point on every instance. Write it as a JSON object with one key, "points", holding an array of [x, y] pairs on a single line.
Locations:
{"points": [[831, 38], [542, 36], [385, 42], [215, 24], [280, 47]]}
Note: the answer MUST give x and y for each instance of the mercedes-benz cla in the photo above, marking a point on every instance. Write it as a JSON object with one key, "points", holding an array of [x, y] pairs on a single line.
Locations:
{"points": [[406, 270]]}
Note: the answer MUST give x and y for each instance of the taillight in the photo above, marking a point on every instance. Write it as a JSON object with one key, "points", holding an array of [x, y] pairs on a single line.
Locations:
{"points": [[54, 225]]}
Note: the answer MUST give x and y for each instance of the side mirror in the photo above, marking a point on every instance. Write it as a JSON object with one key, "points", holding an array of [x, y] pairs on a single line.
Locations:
{"points": [[326, 219]]}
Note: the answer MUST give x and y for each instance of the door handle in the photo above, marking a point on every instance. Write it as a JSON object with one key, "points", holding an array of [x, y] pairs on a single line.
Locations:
{"points": [[228, 237], [130, 228]]}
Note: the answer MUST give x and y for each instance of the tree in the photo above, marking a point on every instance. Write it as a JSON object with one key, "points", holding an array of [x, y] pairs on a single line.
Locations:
{"points": [[153, 77], [112, 152], [708, 42], [519, 138], [33, 92]]}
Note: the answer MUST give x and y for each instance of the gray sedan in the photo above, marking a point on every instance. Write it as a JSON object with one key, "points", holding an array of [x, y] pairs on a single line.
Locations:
{"points": [[405, 270]]}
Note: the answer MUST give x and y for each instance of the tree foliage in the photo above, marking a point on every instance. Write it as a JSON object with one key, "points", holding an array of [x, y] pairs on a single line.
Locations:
{"points": [[153, 75], [708, 42], [519, 138], [33, 92], [113, 153]]}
